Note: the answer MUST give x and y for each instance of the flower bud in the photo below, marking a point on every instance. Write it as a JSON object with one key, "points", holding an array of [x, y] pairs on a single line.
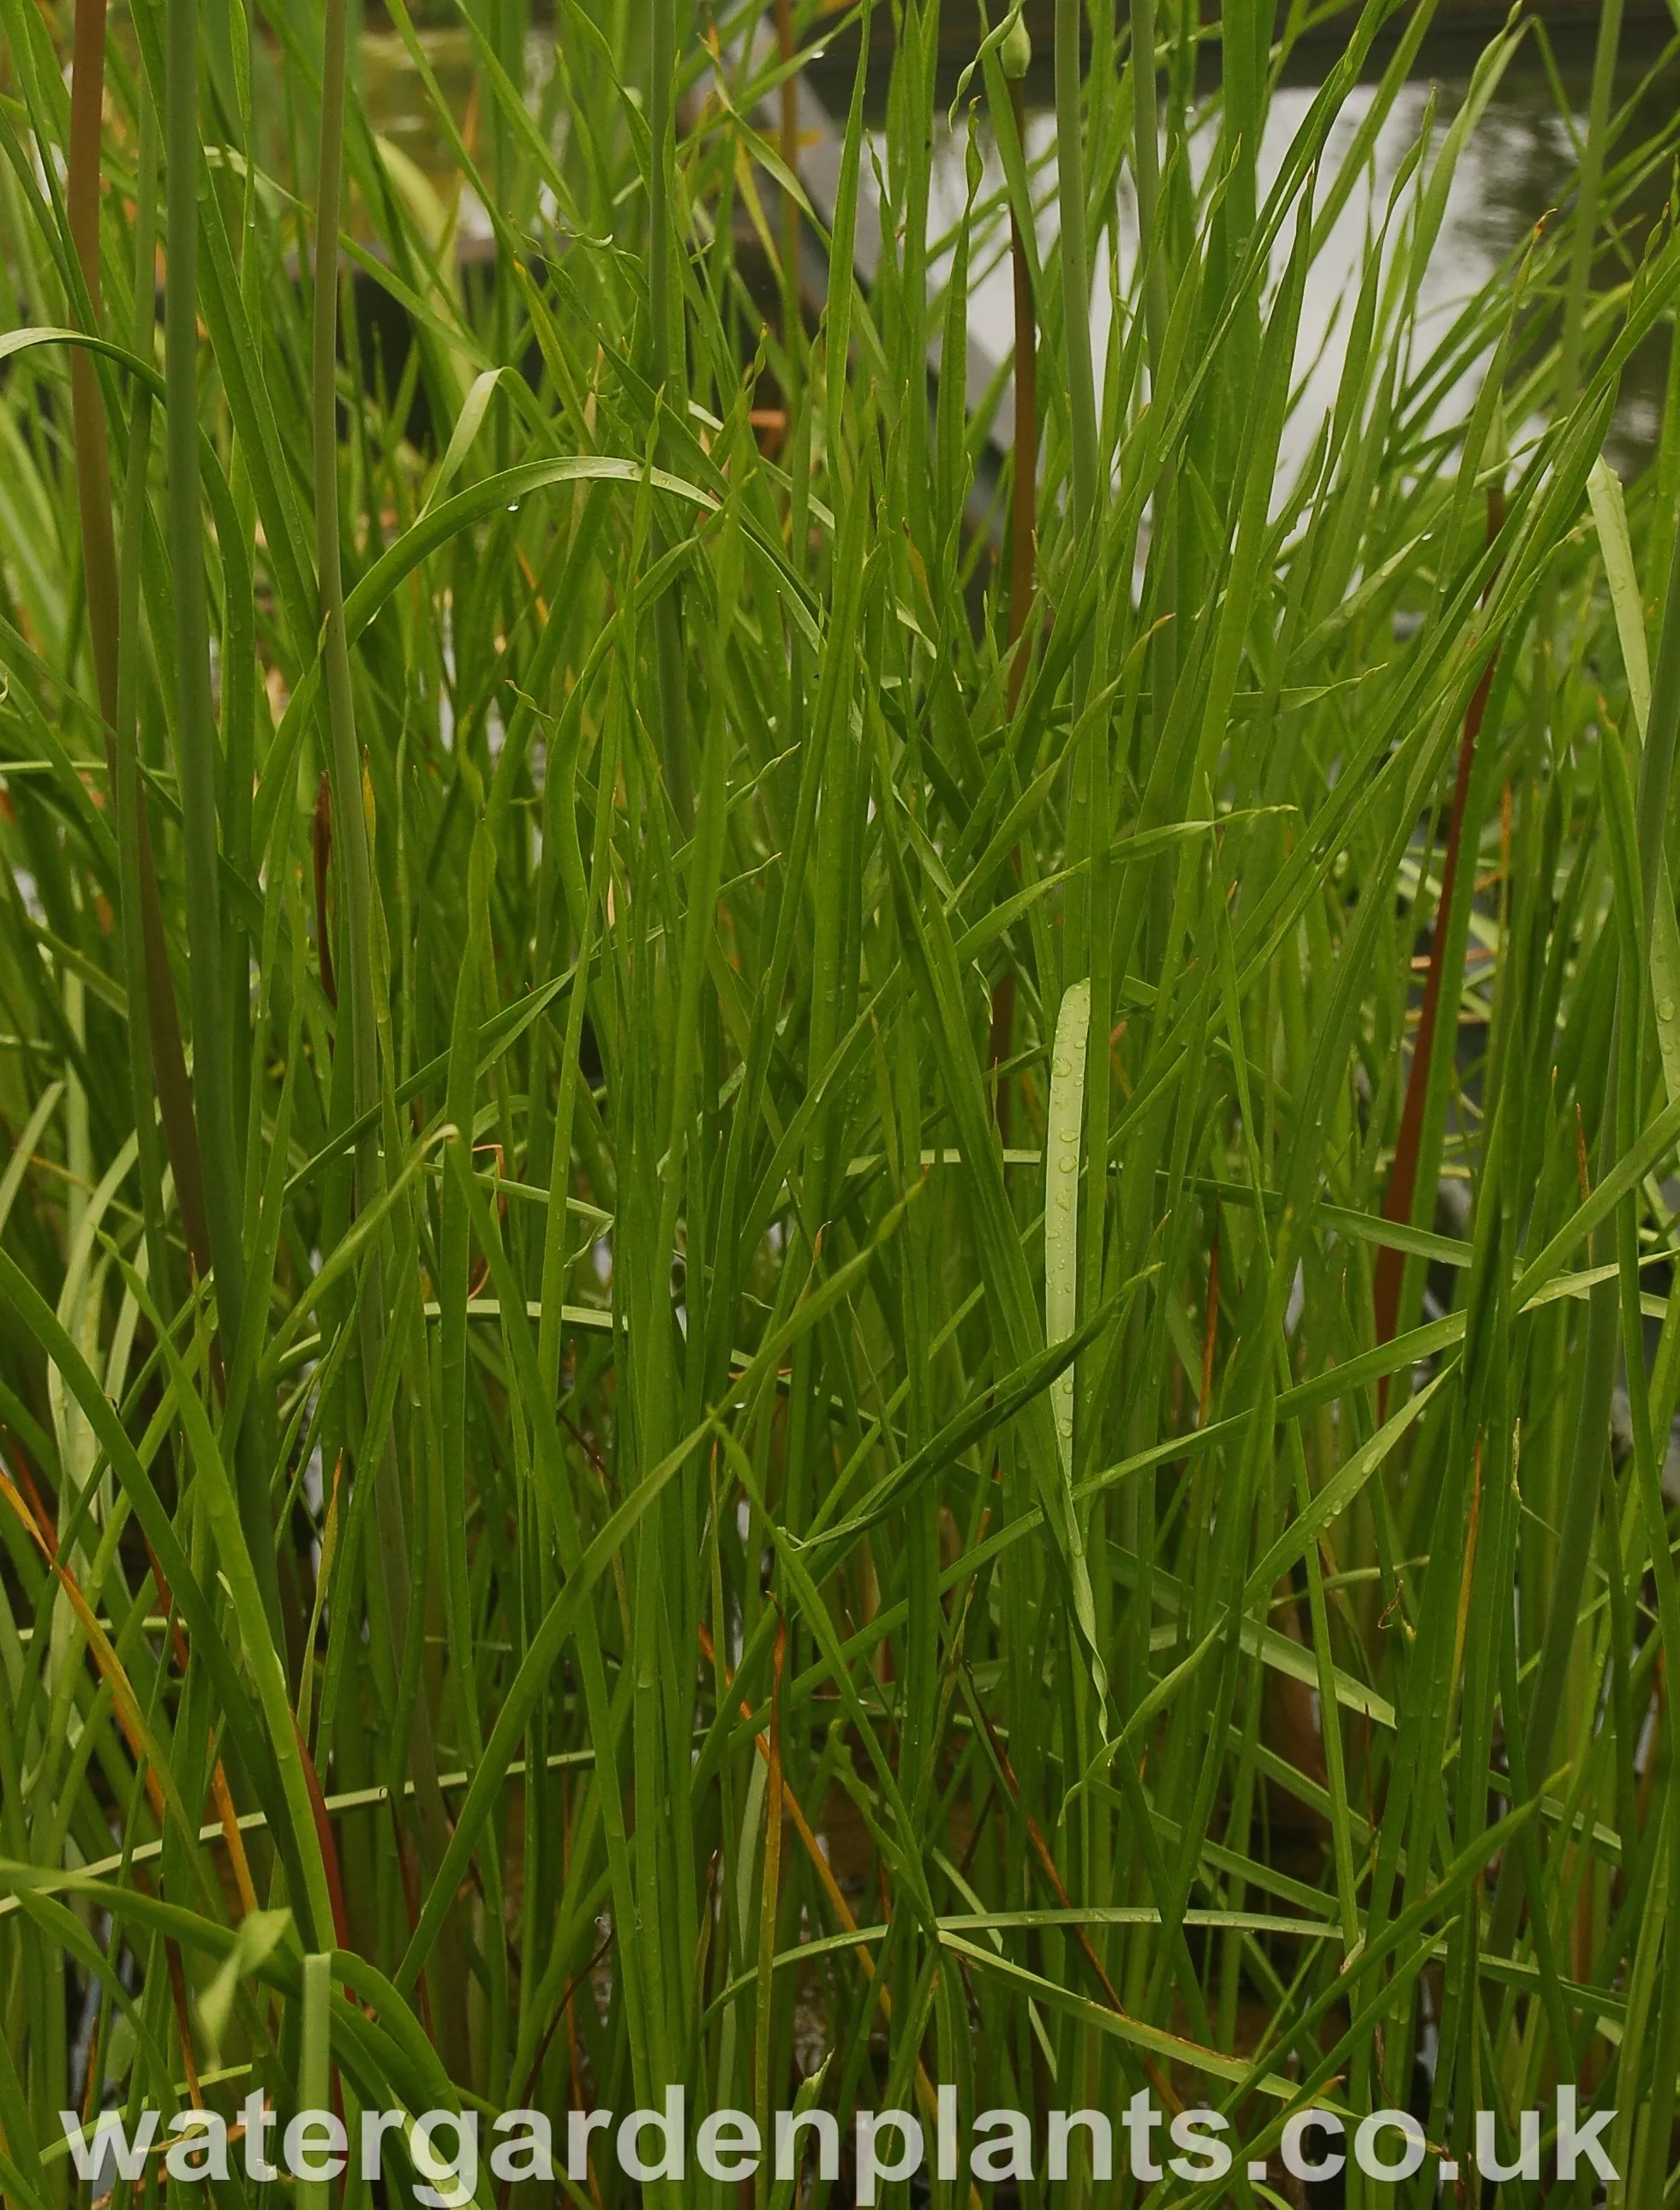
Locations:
{"points": [[1016, 51]]}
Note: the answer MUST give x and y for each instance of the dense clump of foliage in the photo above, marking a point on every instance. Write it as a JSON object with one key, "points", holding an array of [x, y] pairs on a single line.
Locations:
{"points": [[835, 1223]]}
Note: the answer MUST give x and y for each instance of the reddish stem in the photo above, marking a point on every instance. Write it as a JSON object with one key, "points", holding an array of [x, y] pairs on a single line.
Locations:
{"points": [[1397, 1205]]}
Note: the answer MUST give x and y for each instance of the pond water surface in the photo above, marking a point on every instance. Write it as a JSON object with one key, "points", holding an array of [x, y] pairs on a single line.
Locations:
{"points": [[1515, 172]]}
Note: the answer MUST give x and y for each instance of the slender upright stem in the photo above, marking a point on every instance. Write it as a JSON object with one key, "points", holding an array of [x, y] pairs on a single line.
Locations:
{"points": [[661, 125], [669, 379], [1401, 1197], [1145, 175], [198, 765], [349, 816], [1081, 407], [790, 206], [1585, 235], [113, 612], [1603, 1342], [125, 751], [1024, 489], [357, 1006], [1090, 780], [93, 464], [1023, 557], [315, 2062], [1075, 264]]}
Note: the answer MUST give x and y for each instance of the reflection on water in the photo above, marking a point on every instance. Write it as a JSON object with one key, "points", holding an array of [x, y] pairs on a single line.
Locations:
{"points": [[1516, 171], [399, 106]]}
